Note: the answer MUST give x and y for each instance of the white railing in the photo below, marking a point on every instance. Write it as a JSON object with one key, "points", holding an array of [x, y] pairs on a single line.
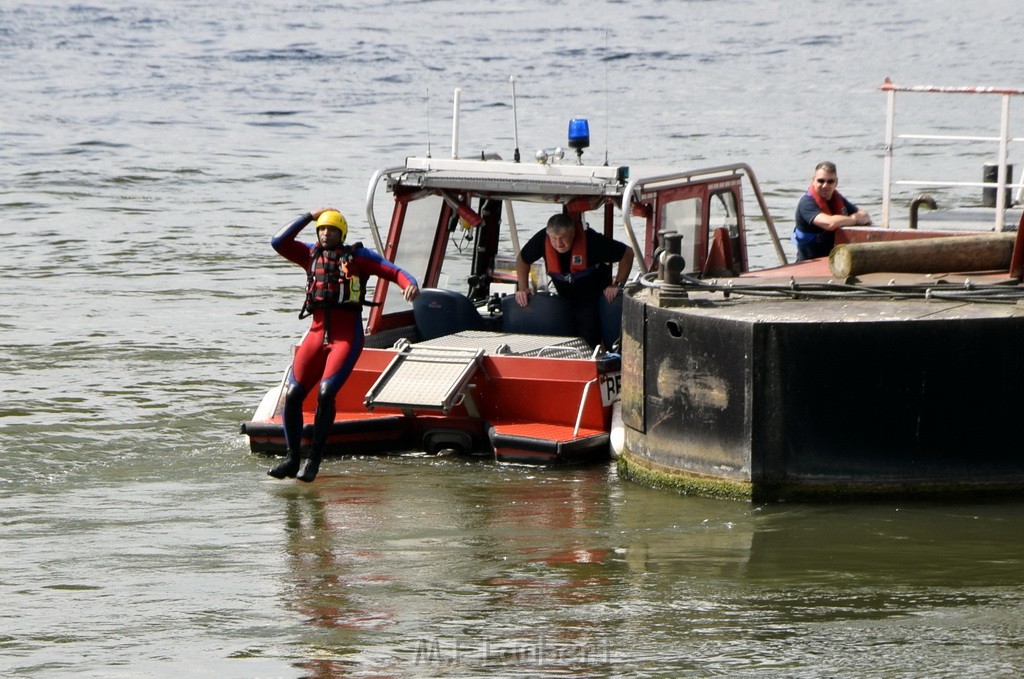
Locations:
{"points": [[1004, 140]]}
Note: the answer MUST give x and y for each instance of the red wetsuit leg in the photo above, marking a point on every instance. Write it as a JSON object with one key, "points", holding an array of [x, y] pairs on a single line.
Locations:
{"points": [[342, 352]]}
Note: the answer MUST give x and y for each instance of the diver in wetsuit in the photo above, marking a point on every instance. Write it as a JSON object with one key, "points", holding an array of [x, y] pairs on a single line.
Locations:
{"points": [[335, 294]]}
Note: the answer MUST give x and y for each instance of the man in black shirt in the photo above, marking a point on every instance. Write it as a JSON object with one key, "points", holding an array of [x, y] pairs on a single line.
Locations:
{"points": [[579, 262]]}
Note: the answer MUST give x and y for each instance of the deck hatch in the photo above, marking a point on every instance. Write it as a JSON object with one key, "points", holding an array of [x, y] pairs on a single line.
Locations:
{"points": [[428, 378], [513, 344]]}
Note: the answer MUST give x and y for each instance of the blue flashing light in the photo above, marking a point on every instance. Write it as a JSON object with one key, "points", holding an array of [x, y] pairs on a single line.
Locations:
{"points": [[579, 133]]}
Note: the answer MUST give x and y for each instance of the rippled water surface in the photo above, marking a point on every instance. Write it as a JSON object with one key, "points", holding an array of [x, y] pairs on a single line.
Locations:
{"points": [[148, 152]]}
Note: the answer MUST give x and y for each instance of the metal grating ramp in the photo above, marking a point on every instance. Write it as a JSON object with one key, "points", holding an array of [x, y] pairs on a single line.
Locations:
{"points": [[513, 344], [428, 378]]}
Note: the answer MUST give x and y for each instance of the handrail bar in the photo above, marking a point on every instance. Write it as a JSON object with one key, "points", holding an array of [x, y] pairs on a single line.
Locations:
{"points": [[918, 182], [583, 402], [889, 86], [371, 192]]}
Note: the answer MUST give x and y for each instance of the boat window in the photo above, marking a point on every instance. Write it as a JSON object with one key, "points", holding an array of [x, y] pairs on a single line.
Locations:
{"points": [[683, 216], [458, 256], [529, 218], [723, 212], [414, 247]]}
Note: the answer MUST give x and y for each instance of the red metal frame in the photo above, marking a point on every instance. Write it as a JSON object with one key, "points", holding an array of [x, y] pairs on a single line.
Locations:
{"points": [[698, 255]]}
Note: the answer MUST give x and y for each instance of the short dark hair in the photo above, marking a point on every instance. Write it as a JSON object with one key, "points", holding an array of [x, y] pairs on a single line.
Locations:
{"points": [[559, 222], [827, 166]]}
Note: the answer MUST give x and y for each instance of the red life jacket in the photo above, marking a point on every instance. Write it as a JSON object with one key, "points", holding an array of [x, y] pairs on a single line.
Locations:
{"points": [[328, 283], [577, 257]]}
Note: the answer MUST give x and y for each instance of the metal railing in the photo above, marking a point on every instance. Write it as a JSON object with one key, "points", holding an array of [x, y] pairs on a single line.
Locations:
{"points": [[1004, 140], [636, 186]]}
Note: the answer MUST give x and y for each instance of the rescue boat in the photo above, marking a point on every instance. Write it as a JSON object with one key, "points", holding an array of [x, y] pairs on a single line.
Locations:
{"points": [[890, 368], [464, 368]]}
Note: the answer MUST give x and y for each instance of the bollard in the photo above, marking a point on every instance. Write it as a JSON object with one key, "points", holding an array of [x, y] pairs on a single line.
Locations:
{"points": [[991, 175]]}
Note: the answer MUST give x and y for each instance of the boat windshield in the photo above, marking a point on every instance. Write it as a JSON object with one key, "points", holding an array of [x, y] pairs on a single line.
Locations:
{"points": [[420, 226]]}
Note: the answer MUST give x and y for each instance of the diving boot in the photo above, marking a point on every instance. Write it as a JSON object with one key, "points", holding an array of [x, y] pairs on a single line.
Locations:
{"points": [[287, 469], [310, 468]]}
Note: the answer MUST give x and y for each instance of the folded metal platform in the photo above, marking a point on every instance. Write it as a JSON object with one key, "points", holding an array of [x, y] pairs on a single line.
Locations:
{"points": [[425, 378]]}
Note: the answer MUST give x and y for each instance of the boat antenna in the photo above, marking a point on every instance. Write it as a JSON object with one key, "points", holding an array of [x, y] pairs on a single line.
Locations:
{"points": [[455, 122], [515, 118], [428, 122], [606, 122]]}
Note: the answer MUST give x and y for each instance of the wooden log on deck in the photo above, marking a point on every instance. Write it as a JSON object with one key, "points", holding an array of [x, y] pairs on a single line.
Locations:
{"points": [[946, 254]]}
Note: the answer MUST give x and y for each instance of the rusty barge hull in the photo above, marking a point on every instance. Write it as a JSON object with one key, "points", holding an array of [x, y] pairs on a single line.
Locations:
{"points": [[787, 399]]}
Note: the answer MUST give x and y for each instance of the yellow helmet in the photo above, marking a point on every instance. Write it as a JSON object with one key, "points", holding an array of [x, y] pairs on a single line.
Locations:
{"points": [[335, 219]]}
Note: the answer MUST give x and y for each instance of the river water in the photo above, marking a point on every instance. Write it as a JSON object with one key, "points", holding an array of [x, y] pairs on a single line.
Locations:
{"points": [[149, 149]]}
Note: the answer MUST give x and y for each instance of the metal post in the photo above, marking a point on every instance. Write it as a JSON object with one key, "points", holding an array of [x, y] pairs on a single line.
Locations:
{"points": [[455, 122], [887, 167], [1004, 136], [513, 228]]}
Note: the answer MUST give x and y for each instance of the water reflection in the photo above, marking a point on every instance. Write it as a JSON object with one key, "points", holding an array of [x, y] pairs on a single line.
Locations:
{"points": [[447, 563], [924, 544], [393, 563], [325, 577]]}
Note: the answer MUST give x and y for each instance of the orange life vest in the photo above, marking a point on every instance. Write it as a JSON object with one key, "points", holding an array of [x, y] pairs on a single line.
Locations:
{"points": [[577, 257]]}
